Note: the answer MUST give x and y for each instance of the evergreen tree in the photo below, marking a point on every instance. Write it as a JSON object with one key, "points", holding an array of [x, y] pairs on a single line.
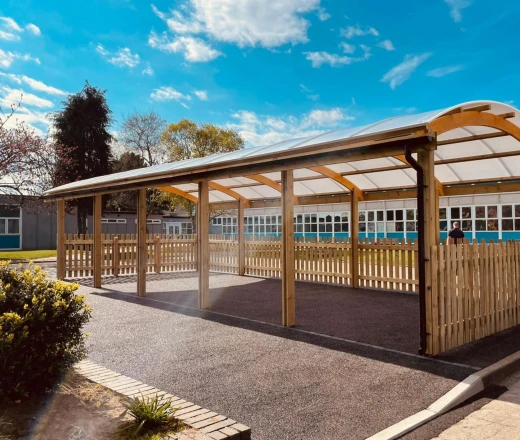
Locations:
{"points": [[81, 128]]}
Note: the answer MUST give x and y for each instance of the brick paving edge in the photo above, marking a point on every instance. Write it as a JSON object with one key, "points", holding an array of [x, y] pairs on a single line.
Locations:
{"points": [[208, 425]]}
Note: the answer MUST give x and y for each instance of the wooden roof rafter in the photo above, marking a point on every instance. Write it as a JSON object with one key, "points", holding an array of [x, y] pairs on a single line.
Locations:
{"points": [[271, 183], [337, 177], [178, 192], [224, 189]]}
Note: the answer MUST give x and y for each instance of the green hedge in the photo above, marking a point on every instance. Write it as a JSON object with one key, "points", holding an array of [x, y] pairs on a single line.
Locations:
{"points": [[41, 334]]}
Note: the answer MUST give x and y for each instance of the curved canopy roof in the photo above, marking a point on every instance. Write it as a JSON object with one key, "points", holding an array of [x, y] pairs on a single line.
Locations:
{"points": [[477, 142]]}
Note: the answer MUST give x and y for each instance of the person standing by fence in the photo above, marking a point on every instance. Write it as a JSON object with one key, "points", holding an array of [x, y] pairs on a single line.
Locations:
{"points": [[455, 234]]}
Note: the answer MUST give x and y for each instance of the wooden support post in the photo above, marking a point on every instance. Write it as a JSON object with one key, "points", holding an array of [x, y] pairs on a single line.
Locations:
{"points": [[437, 238], [203, 245], [115, 255], [60, 241], [157, 254], [98, 255], [142, 251], [354, 238], [241, 239], [426, 160], [288, 284]]}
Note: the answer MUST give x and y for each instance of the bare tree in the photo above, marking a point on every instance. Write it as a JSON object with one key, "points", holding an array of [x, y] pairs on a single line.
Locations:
{"points": [[141, 134]]}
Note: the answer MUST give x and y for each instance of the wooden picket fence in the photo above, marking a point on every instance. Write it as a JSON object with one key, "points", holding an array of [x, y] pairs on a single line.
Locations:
{"points": [[386, 264], [475, 292]]}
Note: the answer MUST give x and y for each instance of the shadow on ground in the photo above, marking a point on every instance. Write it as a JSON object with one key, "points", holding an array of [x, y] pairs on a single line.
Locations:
{"points": [[379, 325]]}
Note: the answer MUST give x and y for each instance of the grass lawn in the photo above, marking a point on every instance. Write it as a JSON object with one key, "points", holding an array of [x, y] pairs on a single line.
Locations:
{"points": [[26, 255]]}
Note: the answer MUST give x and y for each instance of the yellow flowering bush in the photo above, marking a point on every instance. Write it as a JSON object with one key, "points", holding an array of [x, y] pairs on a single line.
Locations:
{"points": [[41, 336]]}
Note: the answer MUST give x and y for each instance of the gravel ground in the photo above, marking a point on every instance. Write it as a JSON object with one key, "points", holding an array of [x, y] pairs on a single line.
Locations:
{"points": [[284, 383]]}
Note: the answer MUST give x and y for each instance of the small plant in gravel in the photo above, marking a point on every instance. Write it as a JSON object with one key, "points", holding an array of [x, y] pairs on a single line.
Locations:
{"points": [[41, 333], [151, 414]]}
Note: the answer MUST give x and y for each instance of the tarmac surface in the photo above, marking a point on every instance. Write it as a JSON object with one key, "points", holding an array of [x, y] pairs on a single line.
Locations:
{"points": [[284, 383]]}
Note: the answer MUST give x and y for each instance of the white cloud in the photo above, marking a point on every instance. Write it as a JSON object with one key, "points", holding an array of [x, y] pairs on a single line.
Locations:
{"points": [[14, 96], [148, 71], [358, 31], [101, 50], [169, 94], [258, 130], [8, 58], [334, 60], [247, 23], [456, 7], [347, 48], [323, 15], [123, 57], [400, 73], [303, 88], [194, 49], [9, 23], [387, 45], [33, 84], [35, 30], [8, 36], [32, 118], [443, 71], [201, 94], [314, 97]]}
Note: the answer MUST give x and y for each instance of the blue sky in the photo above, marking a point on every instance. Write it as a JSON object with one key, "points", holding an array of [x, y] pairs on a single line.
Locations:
{"points": [[270, 69]]}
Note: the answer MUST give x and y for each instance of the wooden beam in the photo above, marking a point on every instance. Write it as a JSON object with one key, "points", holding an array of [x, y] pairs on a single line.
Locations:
{"points": [[468, 118], [203, 245], [142, 248], [337, 178], [98, 255], [288, 268], [60, 240], [438, 184], [269, 182], [507, 115], [354, 238], [426, 160], [475, 137], [241, 239], [178, 192], [229, 192], [478, 108]]}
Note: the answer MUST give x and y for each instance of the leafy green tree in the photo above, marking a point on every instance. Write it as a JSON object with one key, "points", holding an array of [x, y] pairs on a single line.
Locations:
{"points": [[189, 140], [81, 128], [125, 201]]}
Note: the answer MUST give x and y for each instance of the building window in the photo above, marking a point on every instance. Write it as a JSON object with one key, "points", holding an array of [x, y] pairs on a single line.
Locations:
{"points": [[411, 220], [186, 228], [510, 217], [114, 220], [486, 218], [463, 216]]}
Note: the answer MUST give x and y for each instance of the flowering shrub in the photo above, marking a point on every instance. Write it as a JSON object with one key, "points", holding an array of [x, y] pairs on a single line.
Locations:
{"points": [[41, 334]]}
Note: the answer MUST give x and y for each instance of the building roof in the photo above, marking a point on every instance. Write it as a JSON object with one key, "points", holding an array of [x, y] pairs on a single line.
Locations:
{"points": [[477, 142]]}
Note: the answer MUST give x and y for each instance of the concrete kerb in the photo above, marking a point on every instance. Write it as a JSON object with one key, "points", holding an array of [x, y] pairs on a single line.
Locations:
{"points": [[208, 425], [469, 387]]}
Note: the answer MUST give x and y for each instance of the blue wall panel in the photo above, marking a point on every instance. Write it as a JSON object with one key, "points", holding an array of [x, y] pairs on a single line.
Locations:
{"points": [[9, 241]]}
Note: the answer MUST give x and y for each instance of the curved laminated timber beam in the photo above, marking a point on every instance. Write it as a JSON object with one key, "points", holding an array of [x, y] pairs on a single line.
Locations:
{"points": [[223, 189], [271, 183], [475, 118], [178, 192], [337, 178]]}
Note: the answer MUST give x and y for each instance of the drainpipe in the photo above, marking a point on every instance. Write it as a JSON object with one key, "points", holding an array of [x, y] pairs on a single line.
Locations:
{"points": [[422, 257]]}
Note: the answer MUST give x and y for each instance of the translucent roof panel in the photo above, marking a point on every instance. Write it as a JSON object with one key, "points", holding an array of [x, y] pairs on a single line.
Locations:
{"points": [[495, 158]]}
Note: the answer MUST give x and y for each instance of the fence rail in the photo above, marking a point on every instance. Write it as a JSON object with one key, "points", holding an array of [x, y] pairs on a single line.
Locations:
{"points": [[386, 264], [475, 292]]}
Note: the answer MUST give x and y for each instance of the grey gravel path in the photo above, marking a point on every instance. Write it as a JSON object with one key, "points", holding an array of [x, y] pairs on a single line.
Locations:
{"points": [[283, 383]]}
